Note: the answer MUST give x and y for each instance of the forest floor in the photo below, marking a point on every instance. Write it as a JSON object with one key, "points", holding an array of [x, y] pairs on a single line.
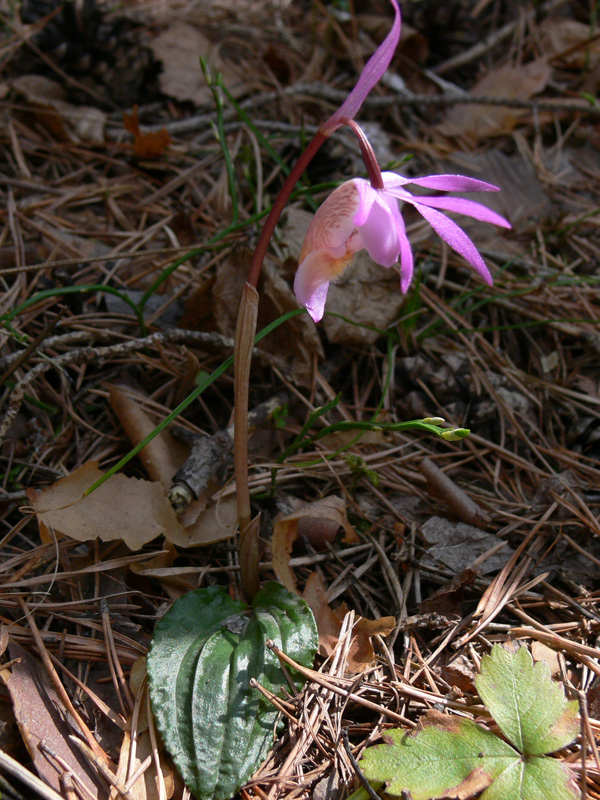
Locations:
{"points": [[123, 251]]}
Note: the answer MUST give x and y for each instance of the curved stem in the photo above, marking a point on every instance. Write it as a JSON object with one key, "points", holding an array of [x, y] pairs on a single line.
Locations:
{"points": [[368, 154], [280, 202]]}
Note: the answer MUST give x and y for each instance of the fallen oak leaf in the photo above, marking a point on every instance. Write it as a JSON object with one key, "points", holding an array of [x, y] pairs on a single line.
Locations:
{"points": [[131, 509]]}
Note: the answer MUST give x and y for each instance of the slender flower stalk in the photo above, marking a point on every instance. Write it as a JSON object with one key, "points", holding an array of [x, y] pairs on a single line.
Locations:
{"points": [[369, 77], [246, 329]]}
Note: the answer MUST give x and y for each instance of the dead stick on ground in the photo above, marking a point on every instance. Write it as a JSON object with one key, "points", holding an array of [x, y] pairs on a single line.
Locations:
{"points": [[85, 355], [459, 501]]}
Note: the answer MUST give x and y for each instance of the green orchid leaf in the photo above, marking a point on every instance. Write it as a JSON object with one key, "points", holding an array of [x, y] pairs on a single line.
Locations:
{"points": [[448, 757], [205, 651], [530, 708]]}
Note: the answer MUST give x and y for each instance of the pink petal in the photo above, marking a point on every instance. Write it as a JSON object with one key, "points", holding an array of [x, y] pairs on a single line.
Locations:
{"points": [[366, 197], [462, 206], [457, 239], [312, 280], [443, 183], [380, 233], [374, 69], [406, 260]]}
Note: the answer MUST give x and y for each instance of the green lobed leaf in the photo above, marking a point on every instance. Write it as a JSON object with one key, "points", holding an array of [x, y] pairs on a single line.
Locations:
{"points": [[448, 757], [205, 651], [536, 778], [529, 707]]}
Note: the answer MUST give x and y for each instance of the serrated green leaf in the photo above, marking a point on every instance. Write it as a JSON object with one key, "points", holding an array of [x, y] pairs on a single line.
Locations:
{"points": [[205, 651], [536, 778], [449, 755], [530, 708]]}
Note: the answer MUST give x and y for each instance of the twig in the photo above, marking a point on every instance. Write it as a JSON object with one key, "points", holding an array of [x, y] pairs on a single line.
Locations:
{"points": [[361, 777], [459, 501], [86, 355], [27, 778], [491, 41], [406, 98]]}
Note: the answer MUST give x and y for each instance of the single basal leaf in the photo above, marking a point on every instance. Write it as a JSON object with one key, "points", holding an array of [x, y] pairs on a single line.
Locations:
{"points": [[447, 757], [205, 651], [530, 708]]}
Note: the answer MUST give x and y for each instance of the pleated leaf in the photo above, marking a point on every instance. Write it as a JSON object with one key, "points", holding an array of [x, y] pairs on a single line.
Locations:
{"points": [[205, 651]]}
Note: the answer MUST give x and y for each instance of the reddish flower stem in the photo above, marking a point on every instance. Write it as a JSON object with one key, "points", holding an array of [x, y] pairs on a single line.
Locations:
{"points": [[280, 203], [368, 154]]}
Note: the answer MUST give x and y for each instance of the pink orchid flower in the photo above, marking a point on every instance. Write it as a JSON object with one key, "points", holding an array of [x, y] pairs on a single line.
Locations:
{"points": [[357, 216]]}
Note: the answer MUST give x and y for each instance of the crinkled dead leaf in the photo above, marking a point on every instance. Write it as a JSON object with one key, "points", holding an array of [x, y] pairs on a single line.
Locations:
{"points": [[285, 531], [147, 145], [66, 122], [329, 623], [514, 82], [456, 545], [130, 509], [541, 652], [41, 718], [459, 672]]}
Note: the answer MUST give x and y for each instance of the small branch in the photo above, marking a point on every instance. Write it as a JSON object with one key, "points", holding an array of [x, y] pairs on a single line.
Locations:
{"points": [[86, 355], [459, 501]]}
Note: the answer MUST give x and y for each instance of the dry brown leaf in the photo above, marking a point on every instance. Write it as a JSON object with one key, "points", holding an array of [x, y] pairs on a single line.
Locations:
{"points": [[147, 145], [461, 673], [542, 652], [130, 509], [457, 545], [285, 531], [515, 82], [569, 43], [146, 787], [164, 455], [42, 720], [217, 521], [179, 47], [329, 623], [66, 122]]}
